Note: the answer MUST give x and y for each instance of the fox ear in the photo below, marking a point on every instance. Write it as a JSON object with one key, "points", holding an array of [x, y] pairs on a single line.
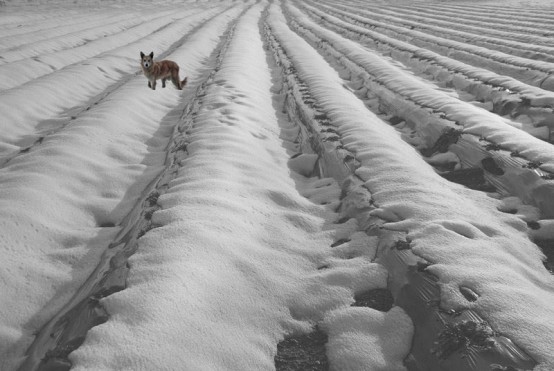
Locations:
{"points": [[141, 54], [152, 55]]}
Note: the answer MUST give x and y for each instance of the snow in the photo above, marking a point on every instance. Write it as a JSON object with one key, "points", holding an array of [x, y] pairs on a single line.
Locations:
{"points": [[378, 347], [415, 199], [249, 244], [474, 120], [117, 140], [237, 245]]}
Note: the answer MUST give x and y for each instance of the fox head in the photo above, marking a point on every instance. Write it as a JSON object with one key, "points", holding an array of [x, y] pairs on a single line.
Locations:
{"points": [[147, 60]]}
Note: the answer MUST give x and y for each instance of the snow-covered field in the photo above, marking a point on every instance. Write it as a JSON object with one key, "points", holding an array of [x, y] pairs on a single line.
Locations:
{"points": [[342, 184]]}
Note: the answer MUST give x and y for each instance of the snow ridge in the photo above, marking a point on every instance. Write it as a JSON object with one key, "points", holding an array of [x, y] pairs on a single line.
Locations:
{"points": [[408, 190]]}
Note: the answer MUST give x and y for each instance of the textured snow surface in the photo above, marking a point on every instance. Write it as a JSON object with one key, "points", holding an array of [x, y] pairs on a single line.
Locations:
{"points": [[237, 243], [246, 248], [446, 220]]}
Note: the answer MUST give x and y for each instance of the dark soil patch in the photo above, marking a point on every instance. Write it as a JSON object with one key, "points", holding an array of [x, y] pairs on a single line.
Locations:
{"points": [[449, 136], [340, 242], [378, 299], [402, 245], [302, 353], [395, 120], [532, 165], [493, 147], [533, 225], [152, 198], [491, 166], [473, 178], [463, 336]]}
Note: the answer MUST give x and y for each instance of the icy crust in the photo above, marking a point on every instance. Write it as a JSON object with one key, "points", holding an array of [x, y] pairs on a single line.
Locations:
{"points": [[459, 231], [61, 202], [474, 120], [535, 95], [232, 266], [55, 94]]}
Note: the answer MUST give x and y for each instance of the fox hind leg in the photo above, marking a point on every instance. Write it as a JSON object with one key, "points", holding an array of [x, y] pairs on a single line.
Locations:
{"points": [[175, 79], [176, 82], [163, 83]]}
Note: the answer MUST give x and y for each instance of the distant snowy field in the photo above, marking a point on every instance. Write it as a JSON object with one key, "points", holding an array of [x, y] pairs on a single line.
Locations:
{"points": [[343, 185]]}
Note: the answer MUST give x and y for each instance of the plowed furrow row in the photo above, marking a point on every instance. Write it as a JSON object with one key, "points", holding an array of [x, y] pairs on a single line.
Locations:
{"points": [[503, 95], [23, 71], [532, 45], [51, 23], [90, 81], [431, 113], [394, 247], [537, 26], [55, 44], [66, 330], [495, 11], [529, 71], [532, 31], [233, 162], [19, 22], [90, 28]]}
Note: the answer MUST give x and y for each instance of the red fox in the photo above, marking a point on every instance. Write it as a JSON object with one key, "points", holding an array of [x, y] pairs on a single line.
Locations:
{"points": [[163, 70]]}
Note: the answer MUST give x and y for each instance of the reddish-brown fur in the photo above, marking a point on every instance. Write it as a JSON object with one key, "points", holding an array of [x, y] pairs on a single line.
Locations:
{"points": [[162, 70]]}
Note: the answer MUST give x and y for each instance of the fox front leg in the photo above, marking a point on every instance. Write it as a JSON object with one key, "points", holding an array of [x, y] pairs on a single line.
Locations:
{"points": [[163, 83], [152, 84], [149, 84]]}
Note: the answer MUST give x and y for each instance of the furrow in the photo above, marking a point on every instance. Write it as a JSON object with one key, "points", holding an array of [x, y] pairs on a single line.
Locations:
{"points": [[121, 216], [526, 46], [75, 39], [504, 12], [50, 110], [318, 134], [527, 70], [509, 29], [533, 31], [417, 287], [228, 146], [41, 39], [20, 72], [22, 29], [434, 115], [505, 95]]}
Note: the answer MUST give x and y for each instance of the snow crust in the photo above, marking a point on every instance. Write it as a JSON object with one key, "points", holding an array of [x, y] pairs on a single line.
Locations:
{"points": [[241, 255], [61, 93], [231, 269], [474, 120], [460, 231], [62, 201], [366, 339]]}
